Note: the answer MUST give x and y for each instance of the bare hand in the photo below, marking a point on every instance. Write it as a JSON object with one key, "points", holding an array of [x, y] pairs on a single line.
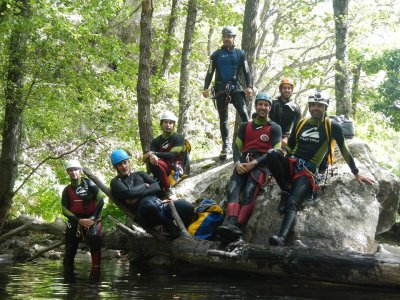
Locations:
{"points": [[153, 159], [206, 93], [248, 92], [146, 156], [362, 179], [243, 168], [86, 222], [131, 201]]}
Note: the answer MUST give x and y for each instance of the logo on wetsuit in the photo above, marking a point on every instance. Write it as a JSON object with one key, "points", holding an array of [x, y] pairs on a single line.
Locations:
{"points": [[165, 145], [264, 138], [311, 135]]}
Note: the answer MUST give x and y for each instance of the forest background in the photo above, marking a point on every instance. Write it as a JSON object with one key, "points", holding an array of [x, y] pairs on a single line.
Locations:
{"points": [[82, 78]]}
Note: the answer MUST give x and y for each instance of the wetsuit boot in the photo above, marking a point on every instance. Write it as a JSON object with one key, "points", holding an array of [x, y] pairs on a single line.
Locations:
{"points": [[287, 224], [230, 232], [225, 149]]}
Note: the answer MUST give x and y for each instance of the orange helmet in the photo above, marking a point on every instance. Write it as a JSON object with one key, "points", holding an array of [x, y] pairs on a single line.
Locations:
{"points": [[286, 81]]}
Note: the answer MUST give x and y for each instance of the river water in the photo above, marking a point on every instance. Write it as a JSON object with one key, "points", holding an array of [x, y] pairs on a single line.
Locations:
{"points": [[45, 279]]}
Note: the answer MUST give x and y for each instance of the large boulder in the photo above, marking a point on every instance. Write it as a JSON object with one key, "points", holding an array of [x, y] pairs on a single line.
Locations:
{"points": [[344, 215]]}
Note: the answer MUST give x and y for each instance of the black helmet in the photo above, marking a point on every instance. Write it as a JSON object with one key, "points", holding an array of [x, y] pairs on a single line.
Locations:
{"points": [[319, 97], [229, 30]]}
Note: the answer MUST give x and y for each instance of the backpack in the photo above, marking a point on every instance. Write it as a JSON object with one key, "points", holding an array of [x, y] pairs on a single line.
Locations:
{"points": [[209, 217], [347, 126]]}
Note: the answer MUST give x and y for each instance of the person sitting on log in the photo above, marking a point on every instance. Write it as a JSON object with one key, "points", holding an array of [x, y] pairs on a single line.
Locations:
{"points": [[309, 144], [137, 190], [255, 138], [82, 202], [166, 155]]}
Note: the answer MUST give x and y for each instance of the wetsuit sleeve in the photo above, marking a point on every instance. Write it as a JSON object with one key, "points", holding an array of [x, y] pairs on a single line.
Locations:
{"points": [[99, 198], [65, 207], [238, 145], [153, 188], [244, 64], [292, 140], [178, 145], [211, 69], [337, 134], [121, 192]]}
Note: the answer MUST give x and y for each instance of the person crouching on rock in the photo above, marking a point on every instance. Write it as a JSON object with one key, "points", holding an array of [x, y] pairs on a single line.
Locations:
{"points": [[137, 191], [82, 202], [255, 138], [309, 146]]}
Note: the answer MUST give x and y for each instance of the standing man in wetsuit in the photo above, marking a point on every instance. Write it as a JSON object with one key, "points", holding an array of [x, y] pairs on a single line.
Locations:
{"points": [[308, 145], [82, 202], [284, 111], [255, 138], [137, 190], [227, 63], [166, 154]]}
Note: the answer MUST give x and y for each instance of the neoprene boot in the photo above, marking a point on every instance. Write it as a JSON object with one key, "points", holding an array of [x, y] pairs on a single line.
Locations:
{"points": [[282, 204], [287, 224], [225, 149], [230, 232]]}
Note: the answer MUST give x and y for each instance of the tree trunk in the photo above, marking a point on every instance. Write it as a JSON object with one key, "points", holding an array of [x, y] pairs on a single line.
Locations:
{"points": [[249, 47], [143, 82], [356, 86], [343, 103], [184, 84], [170, 35], [14, 107]]}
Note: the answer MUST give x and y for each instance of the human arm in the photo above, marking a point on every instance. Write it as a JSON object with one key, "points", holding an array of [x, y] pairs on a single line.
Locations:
{"points": [[65, 207], [209, 75], [244, 64]]}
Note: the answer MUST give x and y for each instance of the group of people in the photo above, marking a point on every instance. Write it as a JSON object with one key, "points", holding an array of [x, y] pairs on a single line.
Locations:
{"points": [[82, 201], [274, 143]]}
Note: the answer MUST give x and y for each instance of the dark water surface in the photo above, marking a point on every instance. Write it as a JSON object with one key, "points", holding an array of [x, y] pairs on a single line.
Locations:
{"points": [[44, 279]]}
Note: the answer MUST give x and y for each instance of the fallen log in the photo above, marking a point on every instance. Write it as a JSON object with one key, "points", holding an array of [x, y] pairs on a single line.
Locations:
{"points": [[347, 267]]}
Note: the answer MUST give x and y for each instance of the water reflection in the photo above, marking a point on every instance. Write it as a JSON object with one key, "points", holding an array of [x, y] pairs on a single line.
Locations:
{"points": [[46, 279]]}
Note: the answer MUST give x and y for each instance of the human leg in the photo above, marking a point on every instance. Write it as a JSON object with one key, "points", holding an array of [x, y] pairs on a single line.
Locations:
{"points": [[71, 244], [301, 187], [250, 192], [94, 241], [222, 107], [161, 172], [239, 102]]}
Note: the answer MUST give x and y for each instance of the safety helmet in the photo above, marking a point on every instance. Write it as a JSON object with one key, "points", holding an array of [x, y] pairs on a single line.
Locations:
{"points": [[319, 97], [168, 115], [263, 96], [229, 30], [118, 155], [286, 81], [73, 163]]}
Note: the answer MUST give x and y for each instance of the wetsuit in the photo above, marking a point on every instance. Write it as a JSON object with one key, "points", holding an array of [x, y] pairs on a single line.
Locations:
{"points": [[295, 174], [254, 140], [80, 200], [169, 149], [149, 211], [287, 115], [227, 64]]}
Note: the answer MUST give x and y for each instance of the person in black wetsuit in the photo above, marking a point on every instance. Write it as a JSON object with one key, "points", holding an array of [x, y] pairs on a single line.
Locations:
{"points": [[166, 154], [255, 138], [227, 63], [137, 190], [82, 202], [284, 111], [308, 145]]}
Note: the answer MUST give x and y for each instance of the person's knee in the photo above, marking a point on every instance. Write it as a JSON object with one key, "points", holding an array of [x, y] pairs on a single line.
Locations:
{"points": [[292, 205]]}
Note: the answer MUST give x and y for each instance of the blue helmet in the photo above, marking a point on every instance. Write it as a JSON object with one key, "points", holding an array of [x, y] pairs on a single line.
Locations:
{"points": [[263, 96], [118, 155]]}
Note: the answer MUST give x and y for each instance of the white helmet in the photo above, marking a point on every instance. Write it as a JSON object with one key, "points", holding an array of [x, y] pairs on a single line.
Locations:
{"points": [[168, 115], [73, 163]]}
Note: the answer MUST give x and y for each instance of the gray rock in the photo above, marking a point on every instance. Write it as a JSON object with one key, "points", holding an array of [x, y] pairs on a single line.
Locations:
{"points": [[344, 215]]}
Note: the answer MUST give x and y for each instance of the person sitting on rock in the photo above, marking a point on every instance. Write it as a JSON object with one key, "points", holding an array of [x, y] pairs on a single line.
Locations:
{"points": [[255, 138], [166, 155], [309, 143], [137, 191], [82, 202]]}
